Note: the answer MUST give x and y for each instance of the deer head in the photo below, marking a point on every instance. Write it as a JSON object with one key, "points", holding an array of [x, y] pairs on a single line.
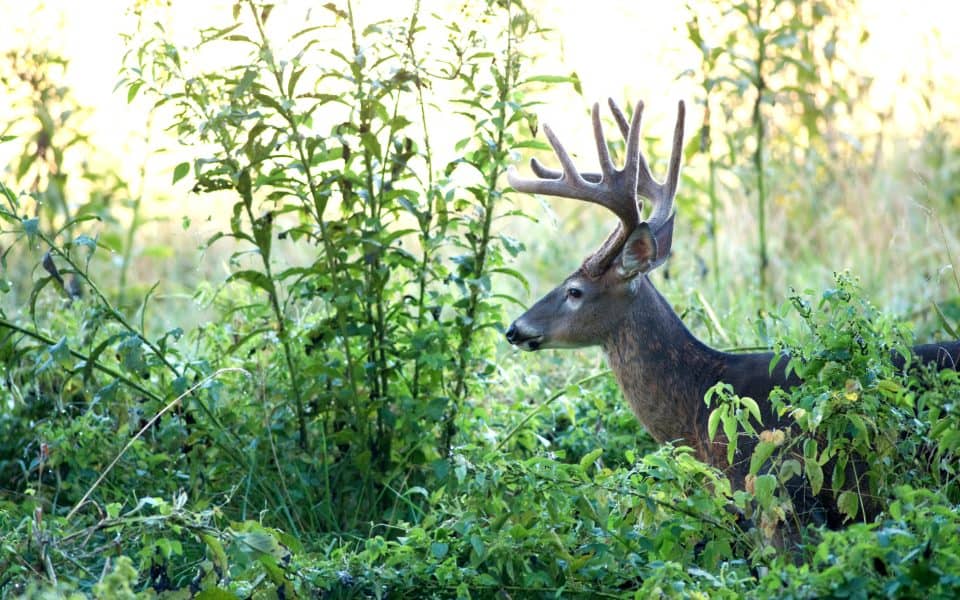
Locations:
{"points": [[588, 306]]}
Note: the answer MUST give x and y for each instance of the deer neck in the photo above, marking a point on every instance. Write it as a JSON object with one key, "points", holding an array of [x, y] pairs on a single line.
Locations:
{"points": [[662, 369]]}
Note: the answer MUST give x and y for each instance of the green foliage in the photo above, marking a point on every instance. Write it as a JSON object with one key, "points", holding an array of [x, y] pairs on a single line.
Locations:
{"points": [[734, 413], [488, 530], [912, 553], [755, 56], [335, 418], [53, 136], [331, 146], [867, 418]]}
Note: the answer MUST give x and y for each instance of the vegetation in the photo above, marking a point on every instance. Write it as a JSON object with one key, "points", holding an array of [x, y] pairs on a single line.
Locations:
{"points": [[337, 416]]}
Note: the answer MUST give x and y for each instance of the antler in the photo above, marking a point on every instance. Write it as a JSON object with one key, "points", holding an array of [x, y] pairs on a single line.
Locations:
{"points": [[615, 189]]}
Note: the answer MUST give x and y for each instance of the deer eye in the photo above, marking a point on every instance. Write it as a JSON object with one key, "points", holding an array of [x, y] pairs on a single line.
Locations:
{"points": [[574, 292]]}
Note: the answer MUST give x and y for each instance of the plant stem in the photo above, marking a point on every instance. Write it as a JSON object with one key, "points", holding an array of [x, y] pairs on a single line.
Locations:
{"points": [[85, 358], [424, 223], [116, 314], [758, 163], [712, 193], [135, 221], [469, 327]]}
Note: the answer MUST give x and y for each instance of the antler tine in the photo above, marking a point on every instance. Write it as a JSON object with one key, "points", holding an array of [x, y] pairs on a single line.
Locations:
{"points": [[547, 173], [614, 189], [550, 181], [646, 186], [603, 153], [663, 199], [622, 185], [660, 195], [620, 118]]}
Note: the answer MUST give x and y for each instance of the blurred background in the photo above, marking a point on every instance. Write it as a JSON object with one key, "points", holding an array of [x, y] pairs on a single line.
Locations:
{"points": [[860, 164]]}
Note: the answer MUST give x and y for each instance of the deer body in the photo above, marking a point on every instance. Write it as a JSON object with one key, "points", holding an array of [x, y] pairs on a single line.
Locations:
{"points": [[662, 369]]}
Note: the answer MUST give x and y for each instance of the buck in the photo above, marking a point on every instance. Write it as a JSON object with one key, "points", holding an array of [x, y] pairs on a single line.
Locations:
{"points": [[661, 368]]}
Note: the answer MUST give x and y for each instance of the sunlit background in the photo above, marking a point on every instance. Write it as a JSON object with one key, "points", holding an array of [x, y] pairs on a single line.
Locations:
{"points": [[623, 49], [619, 48]]}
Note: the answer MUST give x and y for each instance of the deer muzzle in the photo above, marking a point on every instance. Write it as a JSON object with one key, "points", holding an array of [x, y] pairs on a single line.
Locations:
{"points": [[523, 338]]}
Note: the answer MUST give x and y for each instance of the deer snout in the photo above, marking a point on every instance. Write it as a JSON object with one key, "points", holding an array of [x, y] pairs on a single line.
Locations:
{"points": [[522, 338]]}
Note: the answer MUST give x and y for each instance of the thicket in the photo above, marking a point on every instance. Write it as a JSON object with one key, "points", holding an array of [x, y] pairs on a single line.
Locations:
{"points": [[335, 419]]}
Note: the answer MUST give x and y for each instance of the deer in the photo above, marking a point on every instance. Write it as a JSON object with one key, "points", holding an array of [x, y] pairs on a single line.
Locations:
{"points": [[661, 368]]}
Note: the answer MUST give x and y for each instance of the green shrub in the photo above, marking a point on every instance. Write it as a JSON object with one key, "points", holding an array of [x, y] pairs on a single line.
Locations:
{"points": [[335, 420]]}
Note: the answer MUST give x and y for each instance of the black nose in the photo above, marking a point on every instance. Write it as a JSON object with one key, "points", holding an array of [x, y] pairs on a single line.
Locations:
{"points": [[512, 334]]}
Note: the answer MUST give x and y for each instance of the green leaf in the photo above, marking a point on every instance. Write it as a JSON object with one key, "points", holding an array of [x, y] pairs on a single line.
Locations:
{"points": [[31, 227], [760, 455], [294, 78], [217, 552], [532, 144], [216, 34], [763, 488], [269, 101], [589, 458], [180, 171], [752, 406], [131, 354], [573, 79], [439, 549], [60, 351], [859, 427], [785, 39], [478, 546], [849, 504], [249, 76], [714, 422], [94, 356], [949, 441], [810, 449], [260, 541], [839, 475], [132, 90], [789, 469], [254, 278], [814, 475], [371, 144], [730, 430]]}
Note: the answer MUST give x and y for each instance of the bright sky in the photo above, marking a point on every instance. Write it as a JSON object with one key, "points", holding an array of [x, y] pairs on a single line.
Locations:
{"points": [[621, 48]]}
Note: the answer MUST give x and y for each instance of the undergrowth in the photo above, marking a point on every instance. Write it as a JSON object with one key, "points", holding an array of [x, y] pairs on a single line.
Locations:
{"points": [[339, 422]]}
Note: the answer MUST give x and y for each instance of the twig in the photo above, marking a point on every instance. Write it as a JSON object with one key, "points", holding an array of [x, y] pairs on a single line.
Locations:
{"points": [[96, 364], [143, 429]]}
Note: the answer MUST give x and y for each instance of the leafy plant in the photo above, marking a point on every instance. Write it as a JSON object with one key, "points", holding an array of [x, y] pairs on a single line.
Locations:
{"points": [[754, 56], [866, 418], [398, 302], [339, 422]]}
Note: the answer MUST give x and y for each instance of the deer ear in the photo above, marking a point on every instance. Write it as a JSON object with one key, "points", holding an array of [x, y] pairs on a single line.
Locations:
{"points": [[639, 251], [646, 249], [664, 237]]}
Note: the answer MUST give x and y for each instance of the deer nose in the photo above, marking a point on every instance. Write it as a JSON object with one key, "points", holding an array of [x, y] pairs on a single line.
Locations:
{"points": [[512, 333]]}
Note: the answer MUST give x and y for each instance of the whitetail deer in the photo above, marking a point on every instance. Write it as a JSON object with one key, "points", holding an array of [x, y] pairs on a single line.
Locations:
{"points": [[662, 369]]}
